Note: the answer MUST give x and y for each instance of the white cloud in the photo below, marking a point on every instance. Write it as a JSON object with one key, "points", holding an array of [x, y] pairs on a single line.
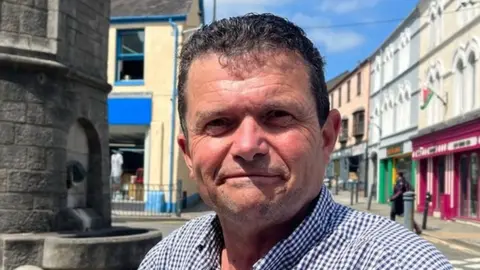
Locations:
{"points": [[228, 8], [332, 40], [346, 6]]}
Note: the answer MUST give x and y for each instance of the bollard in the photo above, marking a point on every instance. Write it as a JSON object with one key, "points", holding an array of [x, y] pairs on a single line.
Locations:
{"points": [[428, 199], [408, 199], [356, 191], [336, 184], [351, 184], [373, 190]]}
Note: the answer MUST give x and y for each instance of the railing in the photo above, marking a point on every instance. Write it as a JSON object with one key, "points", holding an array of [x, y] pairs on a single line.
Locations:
{"points": [[146, 200]]}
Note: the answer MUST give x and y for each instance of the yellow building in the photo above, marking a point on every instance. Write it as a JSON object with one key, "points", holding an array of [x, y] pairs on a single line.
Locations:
{"points": [[145, 38], [447, 146]]}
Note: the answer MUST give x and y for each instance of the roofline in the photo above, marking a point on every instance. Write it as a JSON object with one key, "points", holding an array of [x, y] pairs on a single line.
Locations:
{"points": [[394, 32], [147, 19], [350, 73]]}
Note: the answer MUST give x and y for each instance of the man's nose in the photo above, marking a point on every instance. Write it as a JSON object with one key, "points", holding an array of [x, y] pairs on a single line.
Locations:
{"points": [[249, 141]]}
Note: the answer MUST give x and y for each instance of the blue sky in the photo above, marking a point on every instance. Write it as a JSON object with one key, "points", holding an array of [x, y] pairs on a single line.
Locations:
{"points": [[342, 47]]}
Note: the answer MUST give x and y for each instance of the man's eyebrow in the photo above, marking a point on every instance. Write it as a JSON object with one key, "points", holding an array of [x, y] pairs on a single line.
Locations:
{"points": [[266, 106]]}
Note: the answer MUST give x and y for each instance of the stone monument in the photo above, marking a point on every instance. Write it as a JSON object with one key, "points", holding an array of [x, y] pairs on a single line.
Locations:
{"points": [[54, 156]]}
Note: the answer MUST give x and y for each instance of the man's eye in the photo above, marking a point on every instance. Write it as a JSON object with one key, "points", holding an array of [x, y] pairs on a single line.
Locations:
{"points": [[279, 117], [217, 126]]}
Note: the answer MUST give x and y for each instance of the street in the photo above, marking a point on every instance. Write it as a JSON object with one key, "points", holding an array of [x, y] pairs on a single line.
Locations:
{"points": [[460, 259]]}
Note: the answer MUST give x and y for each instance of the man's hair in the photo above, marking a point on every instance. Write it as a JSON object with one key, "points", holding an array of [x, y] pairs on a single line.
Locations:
{"points": [[241, 35]]}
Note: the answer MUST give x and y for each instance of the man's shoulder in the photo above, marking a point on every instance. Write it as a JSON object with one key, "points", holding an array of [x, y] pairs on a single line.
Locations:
{"points": [[180, 243], [398, 245]]}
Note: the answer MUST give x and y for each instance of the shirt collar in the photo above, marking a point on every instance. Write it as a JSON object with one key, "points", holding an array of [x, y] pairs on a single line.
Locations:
{"points": [[312, 229]]}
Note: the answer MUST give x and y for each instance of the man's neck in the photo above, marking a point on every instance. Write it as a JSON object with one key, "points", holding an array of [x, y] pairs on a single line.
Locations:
{"points": [[245, 244]]}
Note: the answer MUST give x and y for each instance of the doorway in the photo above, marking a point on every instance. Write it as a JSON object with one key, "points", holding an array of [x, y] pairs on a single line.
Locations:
{"points": [[468, 169]]}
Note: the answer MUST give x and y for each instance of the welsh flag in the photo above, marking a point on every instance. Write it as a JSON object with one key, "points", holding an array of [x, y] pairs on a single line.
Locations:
{"points": [[425, 97]]}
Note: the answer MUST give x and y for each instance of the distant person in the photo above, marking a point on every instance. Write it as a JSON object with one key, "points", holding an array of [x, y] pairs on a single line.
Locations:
{"points": [[257, 135], [397, 209]]}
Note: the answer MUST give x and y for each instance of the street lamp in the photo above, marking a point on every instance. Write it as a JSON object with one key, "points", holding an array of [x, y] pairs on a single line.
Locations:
{"points": [[374, 183]]}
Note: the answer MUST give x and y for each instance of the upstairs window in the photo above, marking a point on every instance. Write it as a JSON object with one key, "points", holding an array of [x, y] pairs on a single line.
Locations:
{"points": [[404, 51], [359, 83], [130, 57], [359, 123]]}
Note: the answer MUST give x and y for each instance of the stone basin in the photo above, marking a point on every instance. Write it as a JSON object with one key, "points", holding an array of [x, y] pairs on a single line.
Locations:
{"points": [[119, 248]]}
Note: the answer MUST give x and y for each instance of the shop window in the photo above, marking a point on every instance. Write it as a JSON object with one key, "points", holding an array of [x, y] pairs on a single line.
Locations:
{"points": [[473, 186], [130, 57], [463, 172], [440, 179]]}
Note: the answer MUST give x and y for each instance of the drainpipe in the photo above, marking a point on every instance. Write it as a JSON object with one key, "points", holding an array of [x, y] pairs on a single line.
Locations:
{"points": [[173, 114]]}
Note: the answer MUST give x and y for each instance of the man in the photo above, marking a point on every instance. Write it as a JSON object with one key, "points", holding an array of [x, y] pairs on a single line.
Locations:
{"points": [[257, 136], [401, 186]]}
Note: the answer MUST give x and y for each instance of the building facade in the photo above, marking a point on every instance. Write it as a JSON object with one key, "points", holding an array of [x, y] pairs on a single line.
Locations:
{"points": [[144, 41], [394, 92], [349, 94], [447, 145]]}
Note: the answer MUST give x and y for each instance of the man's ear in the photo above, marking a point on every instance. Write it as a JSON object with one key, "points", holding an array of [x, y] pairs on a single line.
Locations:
{"points": [[330, 131], [183, 144]]}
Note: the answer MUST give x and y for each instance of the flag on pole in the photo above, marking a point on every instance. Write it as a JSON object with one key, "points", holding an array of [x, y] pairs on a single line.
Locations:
{"points": [[426, 95]]}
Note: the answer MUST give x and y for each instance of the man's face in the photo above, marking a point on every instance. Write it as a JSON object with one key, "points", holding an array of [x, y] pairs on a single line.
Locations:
{"points": [[255, 146]]}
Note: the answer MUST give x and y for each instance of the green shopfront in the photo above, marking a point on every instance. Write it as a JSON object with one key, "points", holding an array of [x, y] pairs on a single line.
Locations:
{"points": [[394, 159]]}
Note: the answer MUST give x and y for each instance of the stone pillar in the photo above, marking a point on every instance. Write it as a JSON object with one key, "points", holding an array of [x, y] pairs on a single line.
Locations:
{"points": [[52, 76]]}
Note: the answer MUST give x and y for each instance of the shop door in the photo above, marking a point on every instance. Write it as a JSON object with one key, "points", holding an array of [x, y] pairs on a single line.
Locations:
{"points": [[469, 188], [440, 184]]}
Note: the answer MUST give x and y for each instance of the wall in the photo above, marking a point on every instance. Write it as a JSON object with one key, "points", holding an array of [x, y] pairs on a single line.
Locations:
{"points": [[441, 57], [356, 101], [159, 50]]}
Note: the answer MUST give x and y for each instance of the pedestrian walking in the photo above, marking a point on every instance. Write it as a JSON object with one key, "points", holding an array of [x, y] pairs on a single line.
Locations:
{"points": [[397, 208]]}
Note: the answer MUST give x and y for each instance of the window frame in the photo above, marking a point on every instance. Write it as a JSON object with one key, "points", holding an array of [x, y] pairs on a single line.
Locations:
{"points": [[119, 56]]}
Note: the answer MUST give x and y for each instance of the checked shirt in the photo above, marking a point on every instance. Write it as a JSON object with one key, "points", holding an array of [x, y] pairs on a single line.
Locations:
{"points": [[333, 236]]}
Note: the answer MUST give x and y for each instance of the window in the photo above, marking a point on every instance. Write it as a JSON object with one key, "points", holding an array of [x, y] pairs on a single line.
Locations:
{"points": [[359, 84], [471, 80], [344, 133], [348, 91], [377, 74], [375, 125], [331, 101], [388, 64], [466, 11], [339, 97], [359, 123], [404, 51], [436, 11], [403, 109], [459, 88], [130, 57], [435, 109]]}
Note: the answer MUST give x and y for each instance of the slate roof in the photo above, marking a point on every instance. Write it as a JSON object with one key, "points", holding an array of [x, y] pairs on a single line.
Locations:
{"points": [[123, 8], [334, 82]]}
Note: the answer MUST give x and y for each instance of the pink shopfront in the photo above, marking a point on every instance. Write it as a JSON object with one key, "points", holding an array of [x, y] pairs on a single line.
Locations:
{"points": [[448, 163]]}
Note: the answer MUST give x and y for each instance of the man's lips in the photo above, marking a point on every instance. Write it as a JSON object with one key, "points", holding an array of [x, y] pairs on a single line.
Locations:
{"points": [[254, 177]]}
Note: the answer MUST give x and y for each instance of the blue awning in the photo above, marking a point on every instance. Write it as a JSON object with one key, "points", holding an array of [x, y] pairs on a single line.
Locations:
{"points": [[129, 111]]}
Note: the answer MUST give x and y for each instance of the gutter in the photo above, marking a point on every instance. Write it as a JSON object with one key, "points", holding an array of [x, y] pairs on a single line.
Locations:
{"points": [[170, 207]]}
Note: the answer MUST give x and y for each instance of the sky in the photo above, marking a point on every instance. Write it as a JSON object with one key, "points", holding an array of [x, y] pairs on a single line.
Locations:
{"points": [[328, 23]]}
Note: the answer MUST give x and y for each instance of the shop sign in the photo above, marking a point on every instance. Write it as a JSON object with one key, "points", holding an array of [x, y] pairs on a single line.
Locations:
{"points": [[446, 148], [358, 149], [394, 150], [342, 153]]}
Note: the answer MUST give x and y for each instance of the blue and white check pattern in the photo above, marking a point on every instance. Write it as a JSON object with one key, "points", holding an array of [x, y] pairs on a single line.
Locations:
{"points": [[332, 237]]}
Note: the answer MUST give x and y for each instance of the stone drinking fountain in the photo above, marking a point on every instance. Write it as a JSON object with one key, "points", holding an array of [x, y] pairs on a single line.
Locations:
{"points": [[55, 201]]}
